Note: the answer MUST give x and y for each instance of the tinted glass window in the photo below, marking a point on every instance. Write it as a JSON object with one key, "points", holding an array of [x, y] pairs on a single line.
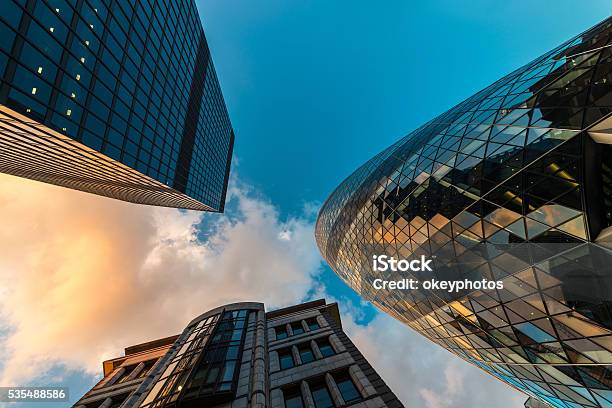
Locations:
{"points": [[11, 13], [347, 388], [293, 398], [313, 324], [297, 328], [325, 348], [306, 354], [320, 395], [286, 359], [281, 332]]}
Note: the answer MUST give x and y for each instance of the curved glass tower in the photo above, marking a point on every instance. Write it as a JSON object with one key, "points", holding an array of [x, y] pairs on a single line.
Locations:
{"points": [[514, 184]]}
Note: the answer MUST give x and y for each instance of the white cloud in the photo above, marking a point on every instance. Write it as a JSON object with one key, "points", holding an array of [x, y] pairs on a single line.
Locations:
{"points": [[421, 373], [81, 277], [84, 276]]}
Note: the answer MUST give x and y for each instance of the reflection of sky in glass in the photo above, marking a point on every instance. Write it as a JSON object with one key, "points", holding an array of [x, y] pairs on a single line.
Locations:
{"points": [[503, 167]]}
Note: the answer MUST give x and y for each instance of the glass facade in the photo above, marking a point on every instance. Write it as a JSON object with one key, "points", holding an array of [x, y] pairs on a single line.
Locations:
{"points": [[512, 184], [205, 369], [118, 98]]}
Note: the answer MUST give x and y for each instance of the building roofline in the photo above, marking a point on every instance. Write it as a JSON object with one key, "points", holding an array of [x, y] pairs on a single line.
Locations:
{"points": [[295, 308], [331, 308], [228, 307], [149, 345]]}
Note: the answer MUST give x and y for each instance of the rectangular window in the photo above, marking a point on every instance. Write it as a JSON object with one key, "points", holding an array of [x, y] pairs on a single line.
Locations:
{"points": [[11, 12], [313, 324], [126, 373], [320, 395], [297, 328], [148, 365], [286, 359], [325, 348], [347, 387], [281, 332], [306, 354], [293, 398], [228, 371]]}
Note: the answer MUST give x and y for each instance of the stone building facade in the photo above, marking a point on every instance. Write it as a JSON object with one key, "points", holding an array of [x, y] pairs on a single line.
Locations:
{"points": [[240, 356]]}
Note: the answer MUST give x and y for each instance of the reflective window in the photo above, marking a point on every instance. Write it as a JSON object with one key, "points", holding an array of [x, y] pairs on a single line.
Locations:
{"points": [[293, 397], [325, 348], [281, 332], [285, 358], [312, 323], [306, 354], [346, 387], [120, 62], [207, 363], [296, 328], [508, 185], [320, 394]]}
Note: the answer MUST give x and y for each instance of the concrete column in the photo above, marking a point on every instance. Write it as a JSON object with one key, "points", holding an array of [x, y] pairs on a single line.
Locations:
{"points": [[333, 390], [315, 350], [322, 321], [136, 371], [307, 395], [296, 355], [305, 326], [289, 329]]}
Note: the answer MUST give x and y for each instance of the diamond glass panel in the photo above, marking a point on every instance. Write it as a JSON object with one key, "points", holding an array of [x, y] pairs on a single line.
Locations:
{"points": [[512, 184]]}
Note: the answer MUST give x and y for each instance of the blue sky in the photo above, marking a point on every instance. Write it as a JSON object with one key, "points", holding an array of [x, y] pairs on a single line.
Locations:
{"points": [[314, 89]]}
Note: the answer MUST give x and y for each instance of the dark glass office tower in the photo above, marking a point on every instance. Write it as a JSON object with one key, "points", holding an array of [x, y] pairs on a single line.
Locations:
{"points": [[113, 97], [514, 184]]}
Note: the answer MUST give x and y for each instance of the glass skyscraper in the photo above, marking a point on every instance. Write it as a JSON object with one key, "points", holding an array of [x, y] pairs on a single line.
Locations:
{"points": [[113, 97], [514, 184]]}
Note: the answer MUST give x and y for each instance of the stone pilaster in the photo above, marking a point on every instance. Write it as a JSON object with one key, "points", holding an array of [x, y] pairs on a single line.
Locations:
{"points": [[259, 374], [136, 371], [316, 350], [307, 395], [333, 390], [296, 355]]}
